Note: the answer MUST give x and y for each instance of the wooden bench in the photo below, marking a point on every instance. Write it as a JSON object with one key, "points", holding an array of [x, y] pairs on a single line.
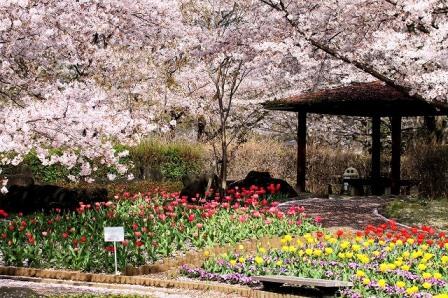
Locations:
{"points": [[327, 288]]}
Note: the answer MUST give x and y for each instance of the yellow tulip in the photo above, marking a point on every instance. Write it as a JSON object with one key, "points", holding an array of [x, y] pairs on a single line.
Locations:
{"points": [[421, 267], [412, 290], [288, 238], [405, 267], [242, 260], [382, 283], [360, 273], [233, 262], [356, 247], [345, 244], [259, 260], [437, 275], [400, 284], [384, 267], [426, 285], [328, 250], [426, 275], [366, 280], [444, 260], [317, 252]]}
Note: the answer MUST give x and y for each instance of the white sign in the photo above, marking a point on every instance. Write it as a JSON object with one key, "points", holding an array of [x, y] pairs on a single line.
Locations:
{"points": [[113, 234]]}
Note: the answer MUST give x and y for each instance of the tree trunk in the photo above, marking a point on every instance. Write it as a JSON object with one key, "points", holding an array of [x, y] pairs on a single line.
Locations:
{"points": [[224, 160]]}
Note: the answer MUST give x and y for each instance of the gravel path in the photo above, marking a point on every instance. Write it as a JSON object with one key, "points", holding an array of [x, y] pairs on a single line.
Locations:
{"points": [[31, 287], [356, 212]]}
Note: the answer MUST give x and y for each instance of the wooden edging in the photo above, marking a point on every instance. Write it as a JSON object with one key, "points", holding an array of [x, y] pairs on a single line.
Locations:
{"points": [[65, 275]]}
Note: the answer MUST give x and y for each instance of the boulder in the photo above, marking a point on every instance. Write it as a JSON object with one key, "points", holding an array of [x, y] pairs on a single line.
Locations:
{"points": [[197, 186], [32, 198], [19, 180], [264, 179]]}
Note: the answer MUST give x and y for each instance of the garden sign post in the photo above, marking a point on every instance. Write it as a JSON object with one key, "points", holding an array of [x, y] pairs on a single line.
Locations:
{"points": [[114, 234]]}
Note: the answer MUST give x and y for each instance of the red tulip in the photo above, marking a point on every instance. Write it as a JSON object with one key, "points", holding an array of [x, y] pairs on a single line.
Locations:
{"points": [[339, 233]]}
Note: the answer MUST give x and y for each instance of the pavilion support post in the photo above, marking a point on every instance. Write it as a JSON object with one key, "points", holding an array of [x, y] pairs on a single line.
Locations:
{"points": [[301, 151], [396, 153], [376, 155]]}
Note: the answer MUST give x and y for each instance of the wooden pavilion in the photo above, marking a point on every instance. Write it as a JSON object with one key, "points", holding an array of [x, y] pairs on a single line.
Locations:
{"points": [[372, 99]]}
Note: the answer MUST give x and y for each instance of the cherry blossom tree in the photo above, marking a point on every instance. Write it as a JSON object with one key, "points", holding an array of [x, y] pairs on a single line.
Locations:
{"points": [[81, 75], [403, 43]]}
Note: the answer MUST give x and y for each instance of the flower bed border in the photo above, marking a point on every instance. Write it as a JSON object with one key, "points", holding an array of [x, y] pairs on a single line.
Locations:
{"points": [[137, 280], [197, 258]]}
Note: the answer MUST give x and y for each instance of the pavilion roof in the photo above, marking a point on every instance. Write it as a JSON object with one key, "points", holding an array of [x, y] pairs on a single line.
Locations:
{"points": [[359, 99]]}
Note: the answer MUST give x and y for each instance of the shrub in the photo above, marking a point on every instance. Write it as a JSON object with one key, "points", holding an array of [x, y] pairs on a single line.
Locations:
{"points": [[429, 164], [157, 159], [324, 164]]}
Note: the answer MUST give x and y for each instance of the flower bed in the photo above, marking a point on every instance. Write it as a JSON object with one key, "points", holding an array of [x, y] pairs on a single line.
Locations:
{"points": [[383, 261], [156, 226]]}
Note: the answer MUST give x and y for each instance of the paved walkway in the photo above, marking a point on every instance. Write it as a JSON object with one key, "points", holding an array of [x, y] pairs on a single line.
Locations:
{"points": [[355, 212], [34, 287]]}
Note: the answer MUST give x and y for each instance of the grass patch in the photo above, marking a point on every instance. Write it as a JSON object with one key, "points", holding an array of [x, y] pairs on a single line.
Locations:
{"points": [[417, 211]]}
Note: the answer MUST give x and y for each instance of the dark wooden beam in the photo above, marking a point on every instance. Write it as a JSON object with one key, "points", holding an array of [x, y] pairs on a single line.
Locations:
{"points": [[301, 151], [396, 153], [376, 155]]}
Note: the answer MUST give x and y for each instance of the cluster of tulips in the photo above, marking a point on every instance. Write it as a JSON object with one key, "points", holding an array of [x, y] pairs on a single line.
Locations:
{"points": [[381, 261], [156, 225]]}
